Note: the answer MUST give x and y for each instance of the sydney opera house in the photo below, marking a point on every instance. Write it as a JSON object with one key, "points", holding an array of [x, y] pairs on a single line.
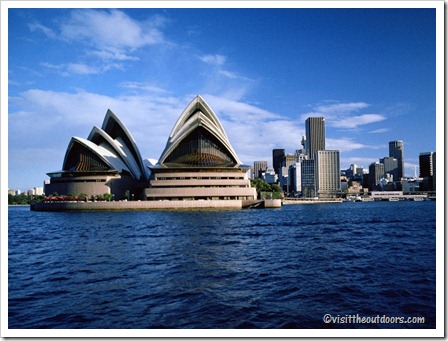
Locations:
{"points": [[197, 164]]}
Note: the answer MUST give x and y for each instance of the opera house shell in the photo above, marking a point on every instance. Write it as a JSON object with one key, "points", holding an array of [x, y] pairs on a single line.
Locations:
{"points": [[108, 161], [197, 164]]}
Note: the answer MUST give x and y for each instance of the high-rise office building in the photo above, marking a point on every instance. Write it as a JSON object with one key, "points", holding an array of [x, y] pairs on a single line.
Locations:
{"points": [[259, 168], [295, 179], [376, 172], [277, 158], [396, 150], [315, 135], [427, 163], [308, 187], [390, 167], [327, 173], [434, 171], [283, 175]]}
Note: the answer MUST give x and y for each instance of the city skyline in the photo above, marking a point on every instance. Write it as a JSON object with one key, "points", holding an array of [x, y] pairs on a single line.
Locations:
{"points": [[372, 84]]}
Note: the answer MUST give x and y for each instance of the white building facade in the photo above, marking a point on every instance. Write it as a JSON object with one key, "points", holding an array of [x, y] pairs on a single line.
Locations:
{"points": [[327, 173]]}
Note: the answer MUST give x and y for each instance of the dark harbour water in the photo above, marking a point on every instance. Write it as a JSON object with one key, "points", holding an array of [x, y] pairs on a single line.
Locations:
{"points": [[267, 268]]}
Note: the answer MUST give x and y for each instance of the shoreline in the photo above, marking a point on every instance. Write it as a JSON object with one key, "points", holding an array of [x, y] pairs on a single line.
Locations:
{"points": [[154, 205]]}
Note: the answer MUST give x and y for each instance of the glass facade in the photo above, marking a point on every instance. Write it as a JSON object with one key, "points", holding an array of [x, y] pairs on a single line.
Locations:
{"points": [[82, 159]]}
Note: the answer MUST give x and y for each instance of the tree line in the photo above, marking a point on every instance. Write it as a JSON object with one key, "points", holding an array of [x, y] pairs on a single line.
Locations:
{"points": [[23, 199]]}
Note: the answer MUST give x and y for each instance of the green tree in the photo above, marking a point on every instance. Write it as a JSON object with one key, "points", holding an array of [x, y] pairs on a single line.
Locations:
{"points": [[276, 188], [260, 185], [107, 196]]}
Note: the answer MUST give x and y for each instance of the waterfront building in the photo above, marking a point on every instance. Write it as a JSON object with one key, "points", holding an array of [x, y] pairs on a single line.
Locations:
{"points": [[434, 171], [270, 176], [295, 179], [198, 162], [426, 164], [396, 150], [376, 172], [412, 185], [38, 190], [259, 168], [390, 168], [354, 172], [283, 175], [327, 173], [427, 168], [108, 161], [307, 176], [277, 158], [355, 187], [315, 135]]}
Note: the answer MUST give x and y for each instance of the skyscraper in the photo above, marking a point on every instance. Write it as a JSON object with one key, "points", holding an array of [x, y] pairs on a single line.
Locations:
{"points": [[376, 172], [390, 167], [259, 168], [434, 171], [427, 170], [295, 179], [278, 156], [308, 187], [396, 150], [283, 175], [315, 135], [327, 173], [425, 163]]}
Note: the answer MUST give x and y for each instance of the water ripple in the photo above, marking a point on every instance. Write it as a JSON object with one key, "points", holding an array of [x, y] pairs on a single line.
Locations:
{"points": [[282, 268]]}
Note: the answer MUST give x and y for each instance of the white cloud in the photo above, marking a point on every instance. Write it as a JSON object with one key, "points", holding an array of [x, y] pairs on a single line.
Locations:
{"points": [[356, 121], [344, 115], [238, 111], [345, 145], [213, 59], [228, 74], [342, 107], [110, 29], [112, 54], [379, 131], [44, 29], [111, 34], [139, 86], [81, 68]]}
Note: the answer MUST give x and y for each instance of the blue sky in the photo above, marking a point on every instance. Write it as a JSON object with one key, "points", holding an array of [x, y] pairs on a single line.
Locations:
{"points": [[370, 72]]}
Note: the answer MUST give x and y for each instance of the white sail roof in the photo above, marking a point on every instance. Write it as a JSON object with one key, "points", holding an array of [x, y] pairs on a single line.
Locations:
{"points": [[198, 114]]}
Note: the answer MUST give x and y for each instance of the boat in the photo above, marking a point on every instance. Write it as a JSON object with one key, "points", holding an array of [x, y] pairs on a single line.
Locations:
{"points": [[394, 199], [368, 199], [295, 201]]}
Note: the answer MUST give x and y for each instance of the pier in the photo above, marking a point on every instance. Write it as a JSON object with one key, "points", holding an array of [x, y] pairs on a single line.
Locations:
{"points": [[153, 205]]}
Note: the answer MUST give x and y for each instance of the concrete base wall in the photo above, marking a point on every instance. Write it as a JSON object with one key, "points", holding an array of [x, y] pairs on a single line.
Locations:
{"points": [[135, 205], [272, 203]]}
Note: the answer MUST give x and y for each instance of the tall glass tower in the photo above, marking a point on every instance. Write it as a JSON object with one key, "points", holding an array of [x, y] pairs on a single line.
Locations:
{"points": [[278, 155], [315, 135], [396, 150]]}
